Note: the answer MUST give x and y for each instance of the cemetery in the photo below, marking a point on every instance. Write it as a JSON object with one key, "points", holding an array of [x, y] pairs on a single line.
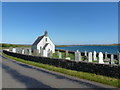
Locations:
{"points": [[91, 62], [101, 58], [43, 51]]}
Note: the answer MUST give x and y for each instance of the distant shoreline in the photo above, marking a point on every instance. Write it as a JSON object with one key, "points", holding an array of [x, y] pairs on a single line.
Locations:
{"points": [[23, 45], [89, 45]]}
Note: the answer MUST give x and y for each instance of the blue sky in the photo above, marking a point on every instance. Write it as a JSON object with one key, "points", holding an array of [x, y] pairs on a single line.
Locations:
{"points": [[67, 23]]}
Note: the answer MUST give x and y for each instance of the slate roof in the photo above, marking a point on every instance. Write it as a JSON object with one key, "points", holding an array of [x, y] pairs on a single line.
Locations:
{"points": [[38, 40]]}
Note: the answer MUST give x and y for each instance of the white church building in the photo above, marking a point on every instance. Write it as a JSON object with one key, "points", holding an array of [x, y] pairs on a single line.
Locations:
{"points": [[44, 45]]}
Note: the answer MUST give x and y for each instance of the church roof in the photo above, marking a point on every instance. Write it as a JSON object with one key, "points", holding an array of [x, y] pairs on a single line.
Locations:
{"points": [[38, 40]]}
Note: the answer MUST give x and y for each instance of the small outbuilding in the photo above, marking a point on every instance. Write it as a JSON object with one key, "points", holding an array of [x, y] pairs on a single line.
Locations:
{"points": [[44, 45]]}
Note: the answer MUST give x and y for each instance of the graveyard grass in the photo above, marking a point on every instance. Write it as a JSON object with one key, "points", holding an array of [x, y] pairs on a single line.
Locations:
{"points": [[72, 57], [83, 75]]}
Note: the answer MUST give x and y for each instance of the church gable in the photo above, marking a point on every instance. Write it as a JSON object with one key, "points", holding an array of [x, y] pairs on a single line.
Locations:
{"points": [[38, 40], [43, 43]]}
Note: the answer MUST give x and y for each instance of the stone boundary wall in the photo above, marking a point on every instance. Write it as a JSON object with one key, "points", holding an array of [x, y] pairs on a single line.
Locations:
{"points": [[83, 54], [99, 69]]}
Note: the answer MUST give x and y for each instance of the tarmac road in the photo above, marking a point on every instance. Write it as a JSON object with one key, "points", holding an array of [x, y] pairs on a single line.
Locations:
{"points": [[19, 75]]}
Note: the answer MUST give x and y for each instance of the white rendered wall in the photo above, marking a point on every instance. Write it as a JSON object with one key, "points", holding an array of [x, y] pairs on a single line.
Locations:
{"points": [[43, 42]]}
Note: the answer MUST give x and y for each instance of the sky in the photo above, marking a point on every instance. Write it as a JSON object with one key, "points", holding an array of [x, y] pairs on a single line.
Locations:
{"points": [[66, 22]]}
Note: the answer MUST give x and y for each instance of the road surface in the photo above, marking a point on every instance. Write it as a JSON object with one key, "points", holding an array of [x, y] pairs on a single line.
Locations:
{"points": [[19, 75]]}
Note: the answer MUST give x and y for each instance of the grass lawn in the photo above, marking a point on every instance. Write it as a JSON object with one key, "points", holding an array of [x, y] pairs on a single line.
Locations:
{"points": [[83, 75]]}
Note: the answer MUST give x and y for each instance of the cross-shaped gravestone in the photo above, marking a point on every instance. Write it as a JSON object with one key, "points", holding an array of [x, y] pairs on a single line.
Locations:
{"points": [[90, 57], [101, 58]]}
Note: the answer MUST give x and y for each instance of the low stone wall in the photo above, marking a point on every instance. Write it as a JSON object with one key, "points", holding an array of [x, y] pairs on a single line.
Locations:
{"points": [[100, 69]]}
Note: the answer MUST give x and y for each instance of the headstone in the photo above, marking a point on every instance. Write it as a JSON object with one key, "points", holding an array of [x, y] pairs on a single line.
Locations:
{"points": [[86, 53], [51, 53], [23, 51], [118, 55], [41, 52], [119, 58], [57, 53], [94, 56], [30, 52], [26, 51], [10, 49], [101, 58], [66, 53], [45, 53], [112, 59], [90, 57], [6, 49], [35, 52], [67, 58], [60, 55], [77, 56], [14, 50], [20, 50], [17, 50], [106, 55]]}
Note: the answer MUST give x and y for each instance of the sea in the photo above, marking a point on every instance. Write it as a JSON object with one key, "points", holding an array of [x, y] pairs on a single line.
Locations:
{"points": [[103, 49]]}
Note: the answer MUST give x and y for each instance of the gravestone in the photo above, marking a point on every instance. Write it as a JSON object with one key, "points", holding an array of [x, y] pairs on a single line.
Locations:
{"points": [[94, 56], [14, 50], [119, 58], [77, 56], [20, 50], [41, 53], [101, 58], [86, 53], [118, 55], [112, 59], [17, 50], [90, 57], [45, 54], [7, 49], [10, 49], [106, 55], [26, 51], [51, 53], [35, 52], [68, 58], [30, 52], [60, 55], [66, 53], [57, 53], [23, 51]]}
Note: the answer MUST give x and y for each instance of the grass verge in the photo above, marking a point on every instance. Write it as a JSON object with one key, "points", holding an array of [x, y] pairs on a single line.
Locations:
{"points": [[83, 75]]}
